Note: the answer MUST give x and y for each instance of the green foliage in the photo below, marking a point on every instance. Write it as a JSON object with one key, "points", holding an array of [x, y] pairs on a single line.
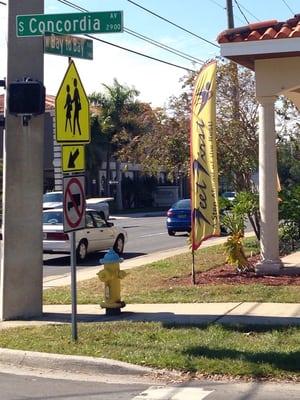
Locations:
{"points": [[246, 204], [289, 215], [234, 250]]}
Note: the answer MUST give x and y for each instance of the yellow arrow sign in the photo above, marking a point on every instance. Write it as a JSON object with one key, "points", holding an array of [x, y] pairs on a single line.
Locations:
{"points": [[73, 158], [72, 110]]}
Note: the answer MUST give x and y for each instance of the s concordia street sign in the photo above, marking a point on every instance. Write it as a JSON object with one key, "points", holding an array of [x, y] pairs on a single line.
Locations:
{"points": [[75, 23]]}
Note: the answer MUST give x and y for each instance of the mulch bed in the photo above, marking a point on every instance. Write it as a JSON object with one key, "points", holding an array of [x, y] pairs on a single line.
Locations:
{"points": [[227, 274]]}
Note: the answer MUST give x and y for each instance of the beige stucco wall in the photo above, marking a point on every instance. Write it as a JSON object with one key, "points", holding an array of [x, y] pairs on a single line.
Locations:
{"points": [[278, 76]]}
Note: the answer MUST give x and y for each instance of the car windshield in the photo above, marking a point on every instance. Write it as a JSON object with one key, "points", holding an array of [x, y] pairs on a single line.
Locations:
{"points": [[182, 204], [52, 198], [52, 217]]}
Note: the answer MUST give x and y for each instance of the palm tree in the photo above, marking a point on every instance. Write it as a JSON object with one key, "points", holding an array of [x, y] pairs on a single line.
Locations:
{"points": [[118, 107]]}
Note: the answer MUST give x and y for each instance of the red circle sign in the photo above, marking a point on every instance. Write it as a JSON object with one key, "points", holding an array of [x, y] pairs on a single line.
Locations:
{"points": [[73, 200]]}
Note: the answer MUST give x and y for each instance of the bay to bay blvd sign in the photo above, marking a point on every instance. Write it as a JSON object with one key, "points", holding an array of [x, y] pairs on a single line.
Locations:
{"points": [[67, 45], [72, 115], [74, 203], [75, 23]]}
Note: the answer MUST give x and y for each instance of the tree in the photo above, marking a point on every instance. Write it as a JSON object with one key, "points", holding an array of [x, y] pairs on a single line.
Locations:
{"points": [[117, 106], [237, 138]]}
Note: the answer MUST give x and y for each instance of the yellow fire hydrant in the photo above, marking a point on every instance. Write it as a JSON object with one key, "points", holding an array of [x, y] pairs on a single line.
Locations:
{"points": [[111, 276]]}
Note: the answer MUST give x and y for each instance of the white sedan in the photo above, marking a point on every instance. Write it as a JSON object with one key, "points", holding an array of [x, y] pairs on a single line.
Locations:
{"points": [[55, 200], [98, 234]]}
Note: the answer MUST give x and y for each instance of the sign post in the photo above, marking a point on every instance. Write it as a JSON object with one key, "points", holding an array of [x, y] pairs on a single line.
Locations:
{"points": [[73, 131], [74, 218]]}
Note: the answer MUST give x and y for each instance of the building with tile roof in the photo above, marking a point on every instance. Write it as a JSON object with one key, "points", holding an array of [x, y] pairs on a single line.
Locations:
{"points": [[272, 50]]}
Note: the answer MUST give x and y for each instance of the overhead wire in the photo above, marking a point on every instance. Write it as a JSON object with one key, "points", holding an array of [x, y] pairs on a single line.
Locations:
{"points": [[164, 46], [75, 6], [249, 12], [286, 3], [172, 23], [224, 8], [238, 6], [143, 37]]}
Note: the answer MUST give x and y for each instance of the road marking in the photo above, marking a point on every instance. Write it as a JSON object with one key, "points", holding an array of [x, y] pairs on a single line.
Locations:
{"points": [[154, 234], [173, 393]]}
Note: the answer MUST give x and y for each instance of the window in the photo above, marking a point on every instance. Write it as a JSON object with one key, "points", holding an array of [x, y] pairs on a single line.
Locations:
{"points": [[89, 221], [100, 223], [52, 217]]}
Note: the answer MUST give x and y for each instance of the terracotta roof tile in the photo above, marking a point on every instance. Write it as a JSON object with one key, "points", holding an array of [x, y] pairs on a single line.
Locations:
{"points": [[265, 30], [50, 103]]}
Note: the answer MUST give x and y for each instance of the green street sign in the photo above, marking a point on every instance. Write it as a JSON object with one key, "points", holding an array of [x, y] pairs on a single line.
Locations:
{"points": [[67, 45], [76, 23]]}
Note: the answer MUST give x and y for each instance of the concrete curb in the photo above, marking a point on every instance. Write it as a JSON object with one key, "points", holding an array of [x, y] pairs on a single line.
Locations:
{"points": [[69, 363]]}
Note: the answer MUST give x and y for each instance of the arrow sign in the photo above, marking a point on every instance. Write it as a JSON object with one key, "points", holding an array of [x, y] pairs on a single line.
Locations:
{"points": [[73, 159], [73, 156]]}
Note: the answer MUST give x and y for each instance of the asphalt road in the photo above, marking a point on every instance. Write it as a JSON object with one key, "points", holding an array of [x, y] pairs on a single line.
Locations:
{"points": [[20, 384], [146, 235]]}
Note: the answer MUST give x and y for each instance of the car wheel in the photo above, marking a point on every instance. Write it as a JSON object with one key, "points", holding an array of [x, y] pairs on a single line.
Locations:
{"points": [[119, 245], [81, 252], [171, 233]]}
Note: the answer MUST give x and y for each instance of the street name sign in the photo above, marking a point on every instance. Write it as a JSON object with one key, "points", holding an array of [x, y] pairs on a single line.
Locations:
{"points": [[73, 159], [67, 45], [74, 203], [72, 116], [75, 23]]}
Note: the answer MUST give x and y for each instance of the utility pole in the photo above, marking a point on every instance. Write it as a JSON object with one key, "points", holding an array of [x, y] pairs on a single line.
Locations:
{"points": [[229, 8], [233, 66], [21, 270]]}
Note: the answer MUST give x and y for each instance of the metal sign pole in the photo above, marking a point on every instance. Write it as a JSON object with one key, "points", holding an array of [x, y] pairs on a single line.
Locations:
{"points": [[73, 286]]}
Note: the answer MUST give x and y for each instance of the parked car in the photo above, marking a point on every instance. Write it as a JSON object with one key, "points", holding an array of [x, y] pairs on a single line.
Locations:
{"points": [[179, 218], [55, 200], [52, 200], [98, 234]]}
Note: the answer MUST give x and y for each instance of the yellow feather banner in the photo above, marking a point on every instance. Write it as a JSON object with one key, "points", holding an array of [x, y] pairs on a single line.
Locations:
{"points": [[204, 168]]}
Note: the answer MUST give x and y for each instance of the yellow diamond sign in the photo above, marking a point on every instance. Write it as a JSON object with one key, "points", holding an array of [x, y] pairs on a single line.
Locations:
{"points": [[72, 110]]}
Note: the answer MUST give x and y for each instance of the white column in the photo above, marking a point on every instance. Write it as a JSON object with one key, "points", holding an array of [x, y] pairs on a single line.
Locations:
{"points": [[268, 196]]}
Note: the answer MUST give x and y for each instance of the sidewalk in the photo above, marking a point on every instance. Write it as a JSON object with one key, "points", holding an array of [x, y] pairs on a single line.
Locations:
{"points": [[248, 313]]}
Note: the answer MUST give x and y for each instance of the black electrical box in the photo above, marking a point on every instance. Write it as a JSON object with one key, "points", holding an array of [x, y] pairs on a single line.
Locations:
{"points": [[26, 97]]}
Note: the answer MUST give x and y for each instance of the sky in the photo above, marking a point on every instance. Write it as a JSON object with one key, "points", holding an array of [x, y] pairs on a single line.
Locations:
{"points": [[155, 81]]}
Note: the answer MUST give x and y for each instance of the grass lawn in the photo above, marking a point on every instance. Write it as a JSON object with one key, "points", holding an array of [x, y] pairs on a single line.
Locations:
{"points": [[161, 282], [210, 350]]}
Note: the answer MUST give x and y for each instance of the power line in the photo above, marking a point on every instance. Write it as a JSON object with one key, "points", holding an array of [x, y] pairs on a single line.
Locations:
{"points": [[218, 4], [72, 5], [143, 37], [238, 6], [164, 46], [140, 54], [286, 3], [172, 23], [224, 8], [249, 12], [4, 4]]}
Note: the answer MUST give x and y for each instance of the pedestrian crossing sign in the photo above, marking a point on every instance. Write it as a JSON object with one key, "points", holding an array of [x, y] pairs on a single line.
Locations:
{"points": [[72, 117]]}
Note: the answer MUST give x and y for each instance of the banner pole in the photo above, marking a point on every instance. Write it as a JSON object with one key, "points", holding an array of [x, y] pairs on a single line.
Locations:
{"points": [[193, 267]]}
